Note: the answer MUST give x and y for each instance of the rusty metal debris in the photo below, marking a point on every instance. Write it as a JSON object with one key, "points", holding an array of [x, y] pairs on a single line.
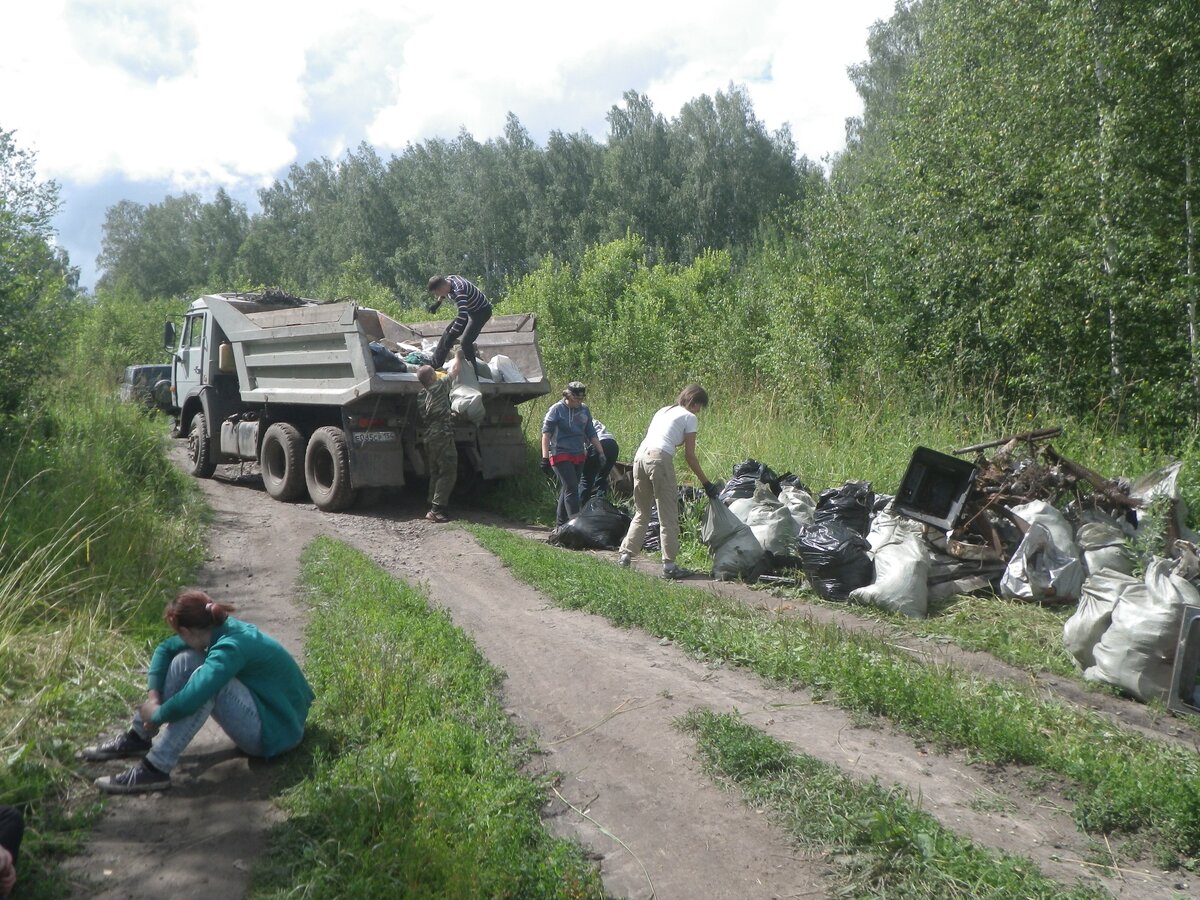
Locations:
{"points": [[1021, 468]]}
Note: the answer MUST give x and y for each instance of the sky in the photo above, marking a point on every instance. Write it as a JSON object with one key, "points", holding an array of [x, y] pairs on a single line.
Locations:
{"points": [[139, 99]]}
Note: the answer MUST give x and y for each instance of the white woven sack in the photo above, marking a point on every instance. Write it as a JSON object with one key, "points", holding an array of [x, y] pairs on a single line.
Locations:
{"points": [[505, 370], [771, 522], [800, 504], [1137, 651], [1041, 570], [1103, 547], [901, 567], [1091, 619]]}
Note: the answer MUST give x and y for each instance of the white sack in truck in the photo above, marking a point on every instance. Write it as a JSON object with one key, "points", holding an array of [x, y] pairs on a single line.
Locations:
{"points": [[1101, 591], [1137, 651], [901, 566], [466, 400], [505, 370]]}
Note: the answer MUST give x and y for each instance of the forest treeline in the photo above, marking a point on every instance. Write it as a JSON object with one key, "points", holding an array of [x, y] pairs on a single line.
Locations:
{"points": [[1012, 220], [703, 179]]}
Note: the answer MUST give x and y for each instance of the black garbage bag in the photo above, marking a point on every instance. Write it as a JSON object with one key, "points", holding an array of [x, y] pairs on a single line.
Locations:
{"points": [[849, 505], [385, 360], [745, 476], [790, 480], [653, 541], [836, 559], [599, 526]]}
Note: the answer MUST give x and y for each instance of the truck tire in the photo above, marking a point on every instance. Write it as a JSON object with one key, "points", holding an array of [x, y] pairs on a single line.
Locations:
{"points": [[281, 460], [200, 456], [327, 469]]}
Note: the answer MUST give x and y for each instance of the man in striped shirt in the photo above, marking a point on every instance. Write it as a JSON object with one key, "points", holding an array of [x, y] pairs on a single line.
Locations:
{"points": [[473, 312]]}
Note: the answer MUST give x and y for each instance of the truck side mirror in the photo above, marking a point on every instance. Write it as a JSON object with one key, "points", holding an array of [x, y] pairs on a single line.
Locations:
{"points": [[169, 336]]}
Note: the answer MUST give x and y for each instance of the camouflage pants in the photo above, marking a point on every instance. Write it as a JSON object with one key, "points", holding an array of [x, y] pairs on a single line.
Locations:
{"points": [[441, 457]]}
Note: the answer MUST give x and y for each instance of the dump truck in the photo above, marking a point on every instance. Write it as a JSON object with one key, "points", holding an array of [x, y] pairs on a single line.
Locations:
{"points": [[294, 385]]}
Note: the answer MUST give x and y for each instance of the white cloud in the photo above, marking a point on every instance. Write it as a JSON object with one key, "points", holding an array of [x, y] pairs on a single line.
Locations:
{"points": [[207, 92]]}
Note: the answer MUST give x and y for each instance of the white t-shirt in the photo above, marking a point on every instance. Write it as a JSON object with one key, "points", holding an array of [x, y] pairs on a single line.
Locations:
{"points": [[668, 428]]}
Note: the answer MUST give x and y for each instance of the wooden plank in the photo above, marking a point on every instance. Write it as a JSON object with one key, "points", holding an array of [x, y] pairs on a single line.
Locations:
{"points": [[1039, 435]]}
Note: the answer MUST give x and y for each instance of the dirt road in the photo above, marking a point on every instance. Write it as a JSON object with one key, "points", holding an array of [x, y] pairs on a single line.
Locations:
{"points": [[601, 699]]}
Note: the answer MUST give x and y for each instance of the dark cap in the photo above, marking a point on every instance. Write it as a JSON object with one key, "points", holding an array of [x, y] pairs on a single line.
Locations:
{"points": [[578, 388]]}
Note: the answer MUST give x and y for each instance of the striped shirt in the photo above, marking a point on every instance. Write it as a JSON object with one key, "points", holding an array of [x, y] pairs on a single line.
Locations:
{"points": [[468, 297]]}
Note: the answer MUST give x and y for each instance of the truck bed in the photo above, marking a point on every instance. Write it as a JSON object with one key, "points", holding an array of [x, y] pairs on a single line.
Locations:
{"points": [[320, 353]]}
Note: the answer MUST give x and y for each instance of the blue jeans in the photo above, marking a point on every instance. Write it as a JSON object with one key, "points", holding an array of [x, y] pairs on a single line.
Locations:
{"points": [[233, 708], [568, 493]]}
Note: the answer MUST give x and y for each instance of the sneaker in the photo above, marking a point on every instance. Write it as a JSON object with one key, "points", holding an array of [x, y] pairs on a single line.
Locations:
{"points": [[128, 744], [138, 780], [434, 516], [624, 560], [674, 572]]}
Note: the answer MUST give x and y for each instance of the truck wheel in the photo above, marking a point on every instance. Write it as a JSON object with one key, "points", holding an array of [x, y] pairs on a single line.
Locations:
{"points": [[327, 469], [200, 457], [281, 461]]}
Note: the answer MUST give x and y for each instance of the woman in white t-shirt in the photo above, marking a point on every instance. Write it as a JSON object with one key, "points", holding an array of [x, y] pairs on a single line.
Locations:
{"points": [[654, 476]]}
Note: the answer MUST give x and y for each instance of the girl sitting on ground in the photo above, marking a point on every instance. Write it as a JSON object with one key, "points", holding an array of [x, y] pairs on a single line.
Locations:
{"points": [[214, 665]]}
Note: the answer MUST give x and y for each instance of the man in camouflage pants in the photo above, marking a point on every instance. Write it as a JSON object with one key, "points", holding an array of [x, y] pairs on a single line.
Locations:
{"points": [[441, 457]]}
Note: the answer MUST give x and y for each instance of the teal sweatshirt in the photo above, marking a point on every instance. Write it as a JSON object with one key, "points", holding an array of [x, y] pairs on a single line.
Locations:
{"points": [[239, 650]]}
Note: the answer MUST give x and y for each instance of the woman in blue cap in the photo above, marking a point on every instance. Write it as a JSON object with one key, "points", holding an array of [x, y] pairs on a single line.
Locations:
{"points": [[567, 432]]}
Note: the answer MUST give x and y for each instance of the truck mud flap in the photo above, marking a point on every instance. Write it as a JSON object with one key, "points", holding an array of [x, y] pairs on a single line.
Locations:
{"points": [[501, 451], [376, 454]]}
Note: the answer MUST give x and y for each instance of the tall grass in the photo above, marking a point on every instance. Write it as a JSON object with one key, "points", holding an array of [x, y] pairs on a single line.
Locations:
{"points": [[97, 529]]}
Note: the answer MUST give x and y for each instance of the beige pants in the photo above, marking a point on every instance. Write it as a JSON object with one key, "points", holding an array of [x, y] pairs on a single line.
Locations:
{"points": [[654, 483]]}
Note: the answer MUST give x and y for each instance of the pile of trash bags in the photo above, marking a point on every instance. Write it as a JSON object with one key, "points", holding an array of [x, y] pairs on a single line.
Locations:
{"points": [[1033, 529], [853, 545], [765, 522]]}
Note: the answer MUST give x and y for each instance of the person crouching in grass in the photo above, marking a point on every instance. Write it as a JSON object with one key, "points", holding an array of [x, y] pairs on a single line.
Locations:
{"points": [[214, 665]]}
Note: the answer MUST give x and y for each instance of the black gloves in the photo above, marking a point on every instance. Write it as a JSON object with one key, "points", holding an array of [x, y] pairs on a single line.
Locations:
{"points": [[711, 490], [546, 467], [433, 306]]}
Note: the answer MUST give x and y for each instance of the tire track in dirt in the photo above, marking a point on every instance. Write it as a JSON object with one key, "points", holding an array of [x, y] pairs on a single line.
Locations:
{"points": [[201, 838]]}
